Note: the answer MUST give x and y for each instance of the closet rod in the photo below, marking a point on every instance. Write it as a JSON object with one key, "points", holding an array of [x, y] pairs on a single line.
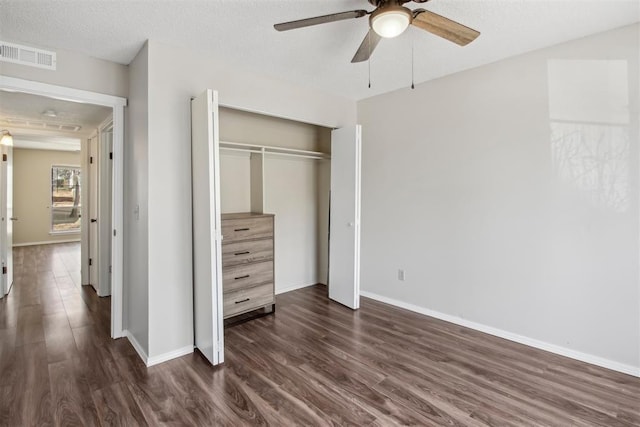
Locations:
{"points": [[304, 156], [272, 148], [275, 153], [242, 150]]}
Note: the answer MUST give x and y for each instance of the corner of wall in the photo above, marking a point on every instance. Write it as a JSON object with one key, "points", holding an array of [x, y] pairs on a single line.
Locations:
{"points": [[136, 244]]}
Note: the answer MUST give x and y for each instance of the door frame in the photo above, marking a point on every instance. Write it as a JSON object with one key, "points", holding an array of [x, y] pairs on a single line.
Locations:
{"points": [[333, 127], [91, 258], [117, 200], [105, 176], [6, 195], [85, 251]]}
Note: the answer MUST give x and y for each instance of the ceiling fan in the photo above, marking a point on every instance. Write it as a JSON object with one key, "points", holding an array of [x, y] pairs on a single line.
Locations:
{"points": [[388, 20]]}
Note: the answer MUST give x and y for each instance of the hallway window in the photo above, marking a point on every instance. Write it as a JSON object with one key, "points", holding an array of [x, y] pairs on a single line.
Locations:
{"points": [[65, 199]]}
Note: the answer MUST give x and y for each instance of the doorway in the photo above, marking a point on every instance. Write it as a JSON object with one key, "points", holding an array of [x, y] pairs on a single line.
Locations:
{"points": [[114, 248], [210, 300], [98, 161]]}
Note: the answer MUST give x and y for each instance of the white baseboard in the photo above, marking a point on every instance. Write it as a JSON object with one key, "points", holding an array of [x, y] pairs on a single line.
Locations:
{"points": [[170, 355], [46, 242], [155, 360], [552, 348], [295, 287], [136, 345]]}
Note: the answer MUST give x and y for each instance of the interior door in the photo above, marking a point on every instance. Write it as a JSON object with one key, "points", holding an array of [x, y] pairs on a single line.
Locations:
{"points": [[109, 198], [105, 173], [207, 236], [344, 236], [6, 233], [93, 212]]}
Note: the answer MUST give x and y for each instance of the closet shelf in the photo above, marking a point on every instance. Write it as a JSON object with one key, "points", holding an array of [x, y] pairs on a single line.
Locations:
{"points": [[266, 149]]}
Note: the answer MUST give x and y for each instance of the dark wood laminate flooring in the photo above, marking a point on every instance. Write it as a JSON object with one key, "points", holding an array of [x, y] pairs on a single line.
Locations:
{"points": [[312, 363]]}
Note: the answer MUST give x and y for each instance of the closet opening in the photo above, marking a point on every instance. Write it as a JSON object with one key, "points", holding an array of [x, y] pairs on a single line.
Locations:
{"points": [[277, 171], [276, 207]]}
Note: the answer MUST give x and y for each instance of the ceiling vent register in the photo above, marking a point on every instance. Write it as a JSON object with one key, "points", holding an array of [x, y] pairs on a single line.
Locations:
{"points": [[25, 55], [37, 124]]}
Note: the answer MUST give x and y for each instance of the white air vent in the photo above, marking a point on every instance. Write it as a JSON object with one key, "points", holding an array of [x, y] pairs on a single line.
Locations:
{"points": [[37, 124], [25, 55], [70, 128]]}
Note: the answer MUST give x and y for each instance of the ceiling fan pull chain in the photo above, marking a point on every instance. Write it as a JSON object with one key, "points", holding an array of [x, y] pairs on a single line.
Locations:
{"points": [[369, 59], [412, 60]]}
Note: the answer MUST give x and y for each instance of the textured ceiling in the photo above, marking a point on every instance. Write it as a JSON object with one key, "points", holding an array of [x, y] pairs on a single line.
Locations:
{"points": [[21, 106], [41, 133], [240, 32]]}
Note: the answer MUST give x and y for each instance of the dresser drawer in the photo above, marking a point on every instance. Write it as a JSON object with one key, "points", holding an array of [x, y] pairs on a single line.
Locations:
{"points": [[242, 276], [246, 252], [246, 228], [247, 299]]}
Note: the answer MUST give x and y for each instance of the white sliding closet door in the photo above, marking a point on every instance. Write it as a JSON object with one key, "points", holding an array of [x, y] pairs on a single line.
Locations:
{"points": [[207, 236], [344, 240]]}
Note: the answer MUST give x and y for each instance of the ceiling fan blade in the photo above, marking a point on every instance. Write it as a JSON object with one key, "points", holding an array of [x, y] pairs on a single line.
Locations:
{"points": [[292, 25], [444, 27], [365, 50]]}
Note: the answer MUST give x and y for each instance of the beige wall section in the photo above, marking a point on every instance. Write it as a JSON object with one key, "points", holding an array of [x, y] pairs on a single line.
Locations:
{"points": [[241, 126], [32, 194], [296, 190], [235, 188]]}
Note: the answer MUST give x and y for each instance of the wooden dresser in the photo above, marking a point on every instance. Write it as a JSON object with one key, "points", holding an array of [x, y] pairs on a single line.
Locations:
{"points": [[247, 263]]}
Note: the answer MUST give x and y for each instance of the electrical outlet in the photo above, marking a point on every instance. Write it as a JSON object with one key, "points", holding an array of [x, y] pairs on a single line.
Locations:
{"points": [[401, 275]]}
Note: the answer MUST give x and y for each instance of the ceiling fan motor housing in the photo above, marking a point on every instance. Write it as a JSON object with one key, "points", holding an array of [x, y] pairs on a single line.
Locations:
{"points": [[390, 19], [378, 3]]}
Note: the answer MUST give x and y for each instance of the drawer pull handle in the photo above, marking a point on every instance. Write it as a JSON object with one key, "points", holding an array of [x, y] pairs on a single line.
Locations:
{"points": [[242, 277], [243, 300], [242, 253], [241, 229]]}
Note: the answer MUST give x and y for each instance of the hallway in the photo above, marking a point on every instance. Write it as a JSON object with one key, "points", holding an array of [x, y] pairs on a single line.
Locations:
{"points": [[53, 331]]}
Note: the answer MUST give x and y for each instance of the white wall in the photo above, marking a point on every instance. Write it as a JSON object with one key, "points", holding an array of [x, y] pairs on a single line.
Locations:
{"points": [[136, 187], [32, 194], [509, 194], [176, 75], [77, 71]]}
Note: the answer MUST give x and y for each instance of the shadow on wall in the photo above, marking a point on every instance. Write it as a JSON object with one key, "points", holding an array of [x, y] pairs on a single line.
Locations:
{"points": [[589, 123]]}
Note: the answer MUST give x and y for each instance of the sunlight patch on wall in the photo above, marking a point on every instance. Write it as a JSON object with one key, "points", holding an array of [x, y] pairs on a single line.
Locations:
{"points": [[589, 124]]}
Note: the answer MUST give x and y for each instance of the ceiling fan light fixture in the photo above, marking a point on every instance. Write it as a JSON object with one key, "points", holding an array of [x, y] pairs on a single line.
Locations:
{"points": [[6, 138], [390, 21]]}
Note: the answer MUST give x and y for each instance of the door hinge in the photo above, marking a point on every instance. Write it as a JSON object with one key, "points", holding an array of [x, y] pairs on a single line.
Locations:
{"points": [[91, 160], [90, 261], [110, 156], [110, 269], [4, 269], [114, 233], [4, 157]]}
